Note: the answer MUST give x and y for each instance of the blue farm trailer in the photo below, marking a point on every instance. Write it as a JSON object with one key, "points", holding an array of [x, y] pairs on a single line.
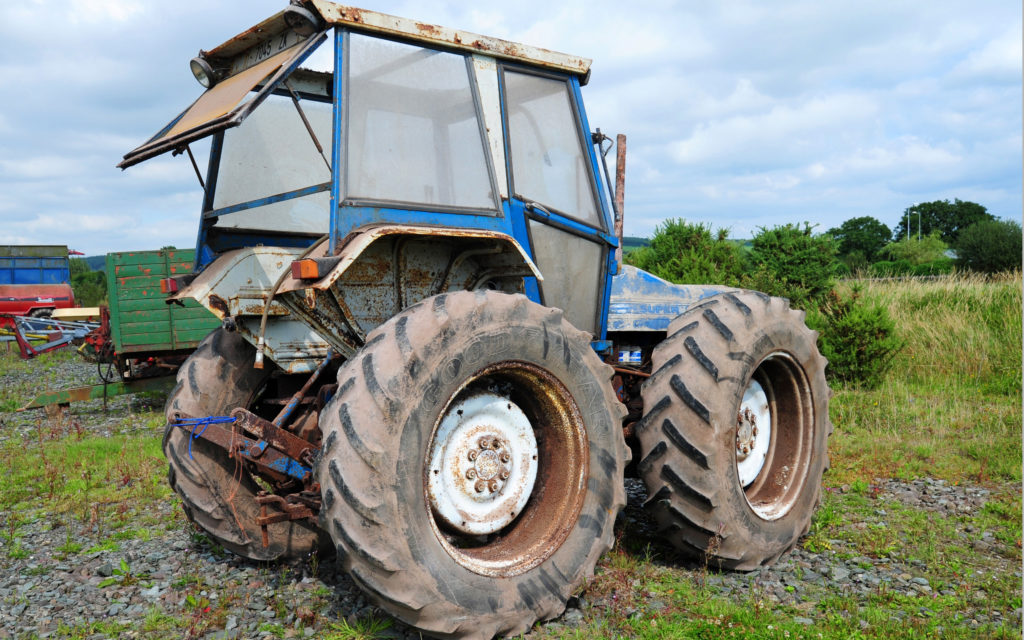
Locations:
{"points": [[431, 360]]}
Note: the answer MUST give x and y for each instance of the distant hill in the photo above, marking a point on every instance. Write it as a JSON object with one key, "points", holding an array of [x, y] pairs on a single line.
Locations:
{"points": [[96, 263], [631, 243]]}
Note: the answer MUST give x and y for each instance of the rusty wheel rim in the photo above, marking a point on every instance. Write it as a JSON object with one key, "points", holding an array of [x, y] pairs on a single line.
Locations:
{"points": [[788, 413], [556, 496]]}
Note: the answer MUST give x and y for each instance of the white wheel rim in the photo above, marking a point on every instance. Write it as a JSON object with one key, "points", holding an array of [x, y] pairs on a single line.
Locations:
{"points": [[753, 433], [482, 464]]}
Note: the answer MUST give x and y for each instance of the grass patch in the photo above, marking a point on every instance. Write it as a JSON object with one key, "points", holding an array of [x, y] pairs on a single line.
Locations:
{"points": [[35, 375], [950, 406], [67, 476]]}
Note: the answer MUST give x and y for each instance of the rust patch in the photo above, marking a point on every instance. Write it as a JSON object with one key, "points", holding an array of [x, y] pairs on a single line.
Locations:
{"points": [[428, 29], [220, 305], [352, 13]]}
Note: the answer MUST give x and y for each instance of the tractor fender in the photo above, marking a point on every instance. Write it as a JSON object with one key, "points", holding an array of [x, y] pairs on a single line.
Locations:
{"points": [[509, 253], [379, 270]]}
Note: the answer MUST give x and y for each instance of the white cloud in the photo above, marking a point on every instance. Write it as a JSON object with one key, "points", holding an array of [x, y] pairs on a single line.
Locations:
{"points": [[999, 57], [102, 11], [781, 133], [39, 167], [741, 114]]}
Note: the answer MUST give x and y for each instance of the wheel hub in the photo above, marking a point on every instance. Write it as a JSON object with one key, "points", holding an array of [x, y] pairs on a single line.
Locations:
{"points": [[483, 464], [753, 433]]}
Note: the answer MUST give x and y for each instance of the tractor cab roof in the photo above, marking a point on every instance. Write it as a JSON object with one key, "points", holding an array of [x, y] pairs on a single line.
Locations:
{"points": [[334, 14], [242, 71]]}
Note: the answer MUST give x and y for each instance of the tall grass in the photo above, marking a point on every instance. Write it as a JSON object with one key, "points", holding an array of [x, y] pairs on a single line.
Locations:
{"points": [[963, 331], [951, 405]]}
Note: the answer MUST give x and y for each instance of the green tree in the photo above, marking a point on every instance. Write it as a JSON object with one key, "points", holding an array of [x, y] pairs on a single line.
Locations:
{"points": [[990, 246], [857, 337], [90, 288], [930, 248], [860, 239], [687, 253], [948, 218], [78, 265], [792, 261]]}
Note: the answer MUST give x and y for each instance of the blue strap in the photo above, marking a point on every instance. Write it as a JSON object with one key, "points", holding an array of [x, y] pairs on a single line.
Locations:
{"points": [[200, 422]]}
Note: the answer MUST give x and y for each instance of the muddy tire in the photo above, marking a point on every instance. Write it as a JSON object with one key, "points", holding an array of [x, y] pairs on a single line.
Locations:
{"points": [[733, 439], [427, 416], [216, 493]]}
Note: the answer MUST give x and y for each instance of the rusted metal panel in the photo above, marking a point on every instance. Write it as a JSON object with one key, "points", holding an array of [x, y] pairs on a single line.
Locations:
{"points": [[249, 38], [291, 445], [385, 268], [374, 22], [237, 286], [238, 446], [358, 242]]}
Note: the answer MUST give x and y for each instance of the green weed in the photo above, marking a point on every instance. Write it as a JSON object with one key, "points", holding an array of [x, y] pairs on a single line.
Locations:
{"points": [[123, 576], [368, 628]]}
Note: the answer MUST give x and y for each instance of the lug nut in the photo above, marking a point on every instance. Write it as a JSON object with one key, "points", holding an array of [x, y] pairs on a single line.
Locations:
{"points": [[754, 431], [505, 457], [472, 455], [746, 449], [471, 474], [480, 486], [504, 474], [493, 485], [484, 443]]}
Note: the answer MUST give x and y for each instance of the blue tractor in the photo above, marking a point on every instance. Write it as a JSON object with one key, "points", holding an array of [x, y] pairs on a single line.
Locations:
{"points": [[432, 360]]}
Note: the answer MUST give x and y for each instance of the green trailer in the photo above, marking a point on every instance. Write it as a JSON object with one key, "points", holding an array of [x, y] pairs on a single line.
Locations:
{"points": [[142, 339], [141, 321]]}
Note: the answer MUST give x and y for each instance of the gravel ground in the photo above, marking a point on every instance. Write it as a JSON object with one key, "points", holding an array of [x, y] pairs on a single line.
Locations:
{"points": [[177, 571]]}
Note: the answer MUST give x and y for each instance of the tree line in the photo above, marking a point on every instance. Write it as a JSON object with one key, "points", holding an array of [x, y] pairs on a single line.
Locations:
{"points": [[792, 261], [931, 238]]}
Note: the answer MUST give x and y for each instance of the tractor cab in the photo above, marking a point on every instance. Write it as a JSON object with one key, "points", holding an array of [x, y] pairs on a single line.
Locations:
{"points": [[467, 159]]}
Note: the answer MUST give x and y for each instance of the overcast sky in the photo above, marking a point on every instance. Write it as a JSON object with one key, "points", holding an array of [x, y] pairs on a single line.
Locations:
{"points": [[738, 114]]}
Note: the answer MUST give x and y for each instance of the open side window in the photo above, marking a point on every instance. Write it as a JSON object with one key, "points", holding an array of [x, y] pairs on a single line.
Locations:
{"points": [[231, 100]]}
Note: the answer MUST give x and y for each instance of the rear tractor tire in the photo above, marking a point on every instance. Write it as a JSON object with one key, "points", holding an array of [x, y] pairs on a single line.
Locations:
{"points": [[472, 465], [733, 439], [217, 492]]}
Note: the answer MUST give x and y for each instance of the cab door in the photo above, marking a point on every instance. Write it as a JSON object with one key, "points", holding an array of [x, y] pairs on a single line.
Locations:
{"points": [[555, 186]]}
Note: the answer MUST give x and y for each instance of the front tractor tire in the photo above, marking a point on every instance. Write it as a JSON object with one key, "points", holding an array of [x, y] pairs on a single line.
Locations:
{"points": [[733, 439], [472, 465], [217, 492]]}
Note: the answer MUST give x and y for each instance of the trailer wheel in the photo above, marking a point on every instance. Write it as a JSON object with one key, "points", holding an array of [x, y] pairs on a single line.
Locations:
{"points": [[733, 439], [473, 464], [217, 494]]}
